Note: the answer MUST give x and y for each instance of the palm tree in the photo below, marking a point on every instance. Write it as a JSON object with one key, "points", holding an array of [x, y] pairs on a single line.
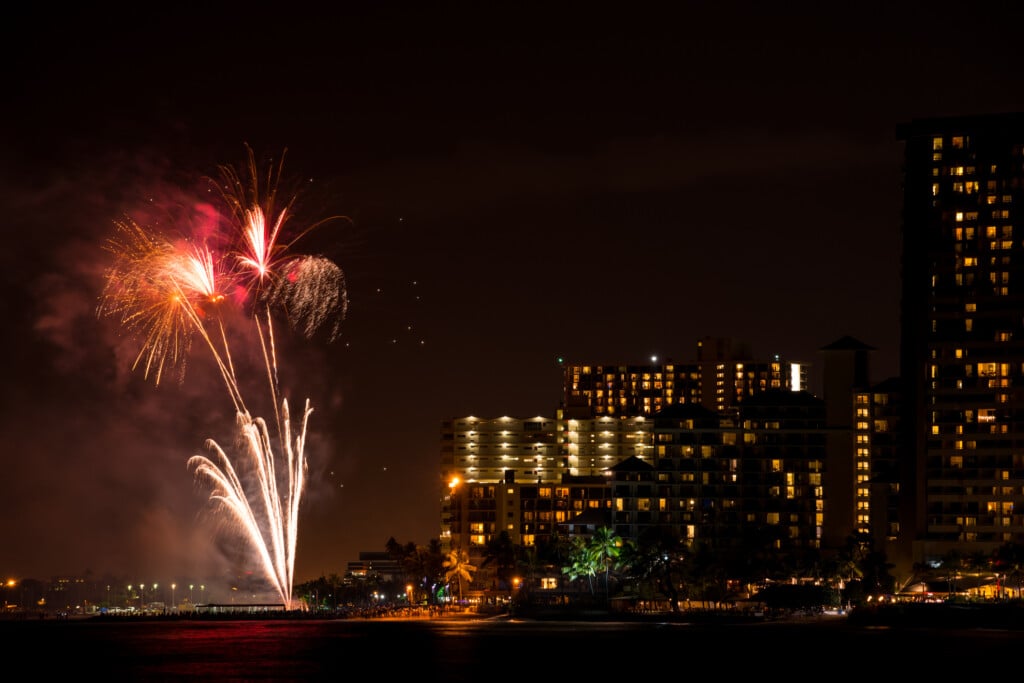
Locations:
{"points": [[457, 566], [421, 565], [581, 562], [501, 552], [433, 561], [656, 562], [605, 547], [335, 583]]}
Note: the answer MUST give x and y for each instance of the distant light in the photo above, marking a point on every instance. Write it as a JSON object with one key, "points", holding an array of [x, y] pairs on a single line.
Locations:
{"points": [[794, 377], [654, 359]]}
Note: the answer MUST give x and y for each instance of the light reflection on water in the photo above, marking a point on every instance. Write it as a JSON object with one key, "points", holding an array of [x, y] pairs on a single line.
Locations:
{"points": [[472, 650]]}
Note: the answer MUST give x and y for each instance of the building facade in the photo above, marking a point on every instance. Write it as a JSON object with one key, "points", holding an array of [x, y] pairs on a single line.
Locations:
{"points": [[524, 476], [962, 332], [721, 377], [706, 474]]}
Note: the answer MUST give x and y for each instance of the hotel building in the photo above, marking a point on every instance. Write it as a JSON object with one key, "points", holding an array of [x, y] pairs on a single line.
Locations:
{"points": [[962, 332], [532, 477]]}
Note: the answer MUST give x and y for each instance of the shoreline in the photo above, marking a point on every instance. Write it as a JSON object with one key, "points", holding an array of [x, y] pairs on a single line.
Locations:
{"points": [[1002, 616]]}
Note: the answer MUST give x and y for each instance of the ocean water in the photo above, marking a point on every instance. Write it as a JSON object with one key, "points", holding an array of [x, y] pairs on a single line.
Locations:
{"points": [[481, 650]]}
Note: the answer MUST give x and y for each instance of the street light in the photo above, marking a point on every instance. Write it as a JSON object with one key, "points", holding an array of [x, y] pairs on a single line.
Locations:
{"points": [[174, 603], [9, 584]]}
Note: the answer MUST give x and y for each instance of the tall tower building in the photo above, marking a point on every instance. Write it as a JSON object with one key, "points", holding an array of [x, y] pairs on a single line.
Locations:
{"points": [[848, 472], [962, 332]]}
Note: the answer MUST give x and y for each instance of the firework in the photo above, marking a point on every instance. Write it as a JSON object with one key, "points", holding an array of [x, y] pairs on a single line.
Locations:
{"points": [[168, 292], [148, 303], [312, 293]]}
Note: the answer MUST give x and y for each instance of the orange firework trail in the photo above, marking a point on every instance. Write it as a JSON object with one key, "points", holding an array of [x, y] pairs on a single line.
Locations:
{"points": [[166, 294]]}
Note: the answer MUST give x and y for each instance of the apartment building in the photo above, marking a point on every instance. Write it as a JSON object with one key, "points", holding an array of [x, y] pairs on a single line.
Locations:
{"points": [[723, 374], [524, 476], [962, 332], [535, 477]]}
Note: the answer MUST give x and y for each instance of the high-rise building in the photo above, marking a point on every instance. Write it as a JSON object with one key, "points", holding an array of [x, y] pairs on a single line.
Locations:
{"points": [[721, 377], [732, 484], [962, 332], [879, 450], [526, 476], [848, 461], [718, 479], [743, 481]]}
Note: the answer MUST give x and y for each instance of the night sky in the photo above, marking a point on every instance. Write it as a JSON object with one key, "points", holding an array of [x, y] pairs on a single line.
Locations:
{"points": [[518, 186]]}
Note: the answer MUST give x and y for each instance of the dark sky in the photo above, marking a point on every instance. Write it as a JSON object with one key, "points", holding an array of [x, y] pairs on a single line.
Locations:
{"points": [[521, 186]]}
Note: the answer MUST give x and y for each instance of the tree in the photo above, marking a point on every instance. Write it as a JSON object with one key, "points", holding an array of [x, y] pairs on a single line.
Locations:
{"points": [[420, 564], [581, 562], [707, 577], [657, 562], [457, 566], [501, 552], [604, 546], [334, 583], [867, 569]]}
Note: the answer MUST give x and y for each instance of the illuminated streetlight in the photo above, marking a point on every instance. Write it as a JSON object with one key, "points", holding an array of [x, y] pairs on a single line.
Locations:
{"points": [[174, 586], [9, 584]]}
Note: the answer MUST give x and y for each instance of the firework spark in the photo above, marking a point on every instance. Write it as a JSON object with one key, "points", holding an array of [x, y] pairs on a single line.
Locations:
{"points": [[167, 293], [313, 294]]}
